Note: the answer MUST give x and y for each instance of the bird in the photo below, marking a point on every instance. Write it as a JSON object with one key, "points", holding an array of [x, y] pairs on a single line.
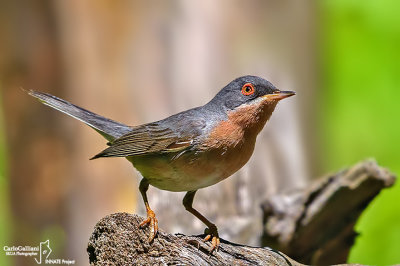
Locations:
{"points": [[189, 150]]}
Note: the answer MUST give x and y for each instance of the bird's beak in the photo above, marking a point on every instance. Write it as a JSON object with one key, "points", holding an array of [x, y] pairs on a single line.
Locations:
{"points": [[279, 95]]}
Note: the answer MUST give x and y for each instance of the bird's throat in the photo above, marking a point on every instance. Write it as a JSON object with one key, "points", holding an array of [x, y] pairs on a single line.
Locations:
{"points": [[252, 117], [240, 129]]}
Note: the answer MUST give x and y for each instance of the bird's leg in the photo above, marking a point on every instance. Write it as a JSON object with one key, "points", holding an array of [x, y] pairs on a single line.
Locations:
{"points": [[151, 217], [212, 232]]}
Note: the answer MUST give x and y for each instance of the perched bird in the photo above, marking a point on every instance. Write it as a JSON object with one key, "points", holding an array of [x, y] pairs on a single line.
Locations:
{"points": [[190, 150]]}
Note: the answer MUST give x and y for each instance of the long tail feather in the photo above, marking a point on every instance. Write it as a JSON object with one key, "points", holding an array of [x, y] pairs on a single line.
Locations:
{"points": [[108, 128]]}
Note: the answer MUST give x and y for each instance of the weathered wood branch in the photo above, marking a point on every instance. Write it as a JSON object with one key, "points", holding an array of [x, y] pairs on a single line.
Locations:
{"points": [[117, 240], [313, 226], [316, 226]]}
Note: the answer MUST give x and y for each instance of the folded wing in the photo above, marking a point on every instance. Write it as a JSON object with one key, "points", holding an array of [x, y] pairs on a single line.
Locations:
{"points": [[149, 138]]}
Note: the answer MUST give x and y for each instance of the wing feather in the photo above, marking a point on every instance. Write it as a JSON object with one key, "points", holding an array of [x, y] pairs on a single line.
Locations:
{"points": [[174, 134], [145, 139]]}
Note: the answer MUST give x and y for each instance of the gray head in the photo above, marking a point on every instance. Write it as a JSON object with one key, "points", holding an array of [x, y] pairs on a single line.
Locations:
{"points": [[245, 90]]}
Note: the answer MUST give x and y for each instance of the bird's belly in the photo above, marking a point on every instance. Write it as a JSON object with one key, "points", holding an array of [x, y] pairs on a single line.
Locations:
{"points": [[192, 170]]}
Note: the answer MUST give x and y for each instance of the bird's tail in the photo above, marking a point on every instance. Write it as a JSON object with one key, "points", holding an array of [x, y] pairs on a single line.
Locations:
{"points": [[108, 128]]}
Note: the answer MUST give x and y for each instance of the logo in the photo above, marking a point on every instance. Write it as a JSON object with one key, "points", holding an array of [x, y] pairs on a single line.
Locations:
{"points": [[40, 253], [44, 251]]}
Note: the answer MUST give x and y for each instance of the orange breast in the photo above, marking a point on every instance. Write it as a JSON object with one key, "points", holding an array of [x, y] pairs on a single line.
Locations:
{"points": [[231, 143]]}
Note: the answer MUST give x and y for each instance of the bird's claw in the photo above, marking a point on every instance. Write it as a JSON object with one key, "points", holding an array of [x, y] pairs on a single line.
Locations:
{"points": [[212, 233], [152, 222]]}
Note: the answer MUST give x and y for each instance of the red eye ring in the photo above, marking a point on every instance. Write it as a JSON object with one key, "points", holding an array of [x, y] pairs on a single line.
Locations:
{"points": [[248, 89]]}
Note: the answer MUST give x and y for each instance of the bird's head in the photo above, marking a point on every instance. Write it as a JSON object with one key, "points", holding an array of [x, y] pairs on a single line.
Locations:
{"points": [[247, 91], [249, 101]]}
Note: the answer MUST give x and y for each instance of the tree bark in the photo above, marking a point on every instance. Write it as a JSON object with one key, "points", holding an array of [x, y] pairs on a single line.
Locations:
{"points": [[117, 240], [316, 225]]}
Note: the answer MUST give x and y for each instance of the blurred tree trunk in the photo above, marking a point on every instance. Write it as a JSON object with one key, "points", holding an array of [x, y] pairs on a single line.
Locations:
{"points": [[137, 62], [38, 154]]}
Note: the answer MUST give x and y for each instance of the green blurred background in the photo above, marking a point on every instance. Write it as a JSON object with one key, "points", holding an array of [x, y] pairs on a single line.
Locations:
{"points": [[359, 113], [5, 223], [357, 51]]}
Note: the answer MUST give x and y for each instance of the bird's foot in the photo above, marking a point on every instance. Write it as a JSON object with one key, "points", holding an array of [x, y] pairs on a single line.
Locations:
{"points": [[212, 233], [152, 222]]}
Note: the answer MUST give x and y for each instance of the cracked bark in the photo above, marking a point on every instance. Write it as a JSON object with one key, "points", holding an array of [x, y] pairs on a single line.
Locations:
{"points": [[316, 226], [117, 240]]}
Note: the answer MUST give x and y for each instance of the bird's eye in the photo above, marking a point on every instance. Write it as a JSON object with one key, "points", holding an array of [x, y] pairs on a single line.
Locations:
{"points": [[247, 89]]}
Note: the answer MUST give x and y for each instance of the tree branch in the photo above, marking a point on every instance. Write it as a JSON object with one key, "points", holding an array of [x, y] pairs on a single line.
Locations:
{"points": [[316, 226], [117, 240]]}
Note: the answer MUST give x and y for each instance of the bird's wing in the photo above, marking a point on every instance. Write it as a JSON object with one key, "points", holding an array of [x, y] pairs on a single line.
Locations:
{"points": [[157, 137]]}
